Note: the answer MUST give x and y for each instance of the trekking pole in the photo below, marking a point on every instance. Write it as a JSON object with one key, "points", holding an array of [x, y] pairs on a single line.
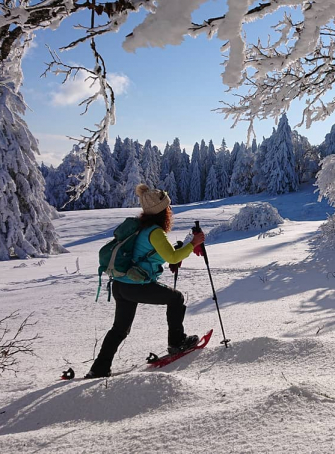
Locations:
{"points": [[175, 279], [175, 268], [195, 230]]}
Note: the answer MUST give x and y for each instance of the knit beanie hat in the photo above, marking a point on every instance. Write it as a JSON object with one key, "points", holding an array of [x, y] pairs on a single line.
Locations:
{"points": [[152, 201]]}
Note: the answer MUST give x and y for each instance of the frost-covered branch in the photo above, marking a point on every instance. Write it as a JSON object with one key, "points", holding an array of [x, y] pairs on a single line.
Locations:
{"points": [[87, 143], [14, 342], [295, 62], [19, 16]]}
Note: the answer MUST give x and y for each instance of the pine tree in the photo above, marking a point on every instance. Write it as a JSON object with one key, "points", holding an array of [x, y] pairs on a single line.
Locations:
{"points": [[211, 191], [280, 162], [195, 184], [195, 155], [203, 167], [64, 179], [222, 167], [233, 157], [302, 150], [147, 164], [133, 178], [25, 216], [127, 150], [117, 152], [184, 177], [259, 170], [156, 162], [170, 186], [328, 146], [254, 146], [112, 175], [211, 157], [241, 180], [165, 163], [175, 163]]}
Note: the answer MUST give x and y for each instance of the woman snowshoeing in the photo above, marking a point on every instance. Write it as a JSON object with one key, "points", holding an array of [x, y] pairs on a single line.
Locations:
{"points": [[156, 222]]}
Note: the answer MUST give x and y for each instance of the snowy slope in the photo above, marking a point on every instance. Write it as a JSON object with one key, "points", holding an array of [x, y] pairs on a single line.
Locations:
{"points": [[271, 391]]}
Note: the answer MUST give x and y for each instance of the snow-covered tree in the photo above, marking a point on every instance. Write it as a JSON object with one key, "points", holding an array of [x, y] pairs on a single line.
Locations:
{"points": [[259, 179], [203, 154], [222, 168], [25, 216], [306, 157], [64, 180], [281, 175], [148, 165], [112, 175], [165, 162], [211, 157], [170, 186], [233, 158], [133, 178], [184, 177], [175, 157], [195, 184], [211, 190], [325, 179], [195, 158], [156, 162], [254, 146], [128, 149], [328, 146], [241, 179]]}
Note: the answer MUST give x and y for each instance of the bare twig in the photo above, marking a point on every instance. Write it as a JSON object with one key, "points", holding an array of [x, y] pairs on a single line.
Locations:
{"points": [[13, 346]]}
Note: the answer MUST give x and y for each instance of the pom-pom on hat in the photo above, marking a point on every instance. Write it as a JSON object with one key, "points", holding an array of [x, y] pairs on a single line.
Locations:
{"points": [[152, 201]]}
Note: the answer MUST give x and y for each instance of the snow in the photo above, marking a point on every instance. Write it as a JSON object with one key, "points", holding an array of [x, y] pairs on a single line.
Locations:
{"points": [[270, 391]]}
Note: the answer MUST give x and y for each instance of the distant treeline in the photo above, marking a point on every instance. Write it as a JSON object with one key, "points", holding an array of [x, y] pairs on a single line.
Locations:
{"points": [[278, 165]]}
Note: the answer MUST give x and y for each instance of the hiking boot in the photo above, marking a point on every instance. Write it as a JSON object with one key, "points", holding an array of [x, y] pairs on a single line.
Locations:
{"points": [[187, 343], [92, 374]]}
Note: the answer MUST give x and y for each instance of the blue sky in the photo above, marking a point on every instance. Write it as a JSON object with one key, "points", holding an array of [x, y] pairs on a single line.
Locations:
{"points": [[162, 93]]}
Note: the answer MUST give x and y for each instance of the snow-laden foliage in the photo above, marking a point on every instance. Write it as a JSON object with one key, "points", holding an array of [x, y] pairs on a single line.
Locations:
{"points": [[213, 234], [241, 179], [325, 239], [279, 164], [170, 186], [325, 179], [25, 217], [328, 146], [256, 216], [211, 190]]}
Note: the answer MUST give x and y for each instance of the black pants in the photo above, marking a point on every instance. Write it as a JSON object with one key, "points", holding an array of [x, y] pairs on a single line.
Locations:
{"points": [[127, 296]]}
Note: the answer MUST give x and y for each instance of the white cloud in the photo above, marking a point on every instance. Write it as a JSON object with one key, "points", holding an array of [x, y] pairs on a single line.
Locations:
{"points": [[52, 147], [80, 88]]}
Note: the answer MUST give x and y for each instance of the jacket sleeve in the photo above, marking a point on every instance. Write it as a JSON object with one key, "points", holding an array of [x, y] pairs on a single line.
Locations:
{"points": [[165, 249]]}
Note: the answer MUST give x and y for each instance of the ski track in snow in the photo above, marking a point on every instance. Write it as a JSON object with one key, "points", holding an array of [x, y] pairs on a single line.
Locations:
{"points": [[271, 391]]}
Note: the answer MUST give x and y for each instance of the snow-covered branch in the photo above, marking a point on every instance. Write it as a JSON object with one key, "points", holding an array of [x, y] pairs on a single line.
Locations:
{"points": [[87, 143], [295, 62]]}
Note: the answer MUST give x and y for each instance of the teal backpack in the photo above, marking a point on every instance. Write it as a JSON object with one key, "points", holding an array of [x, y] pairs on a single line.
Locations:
{"points": [[116, 257]]}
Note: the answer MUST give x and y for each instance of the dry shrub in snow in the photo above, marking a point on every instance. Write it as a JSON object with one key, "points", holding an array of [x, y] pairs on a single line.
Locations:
{"points": [[256, 216], [14, 342]]}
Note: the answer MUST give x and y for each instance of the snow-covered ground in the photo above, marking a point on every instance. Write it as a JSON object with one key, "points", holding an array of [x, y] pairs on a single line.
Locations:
{"points": [[271, 391]]}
